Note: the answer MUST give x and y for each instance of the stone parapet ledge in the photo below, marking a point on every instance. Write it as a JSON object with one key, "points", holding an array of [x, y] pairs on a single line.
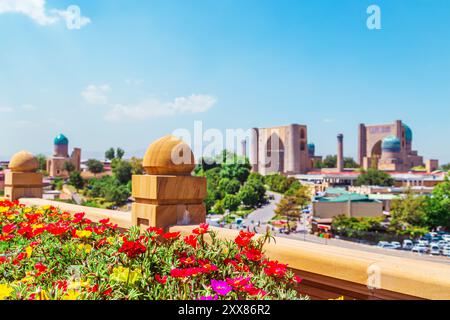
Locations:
{"points": [[415, 278], [122, 219]]}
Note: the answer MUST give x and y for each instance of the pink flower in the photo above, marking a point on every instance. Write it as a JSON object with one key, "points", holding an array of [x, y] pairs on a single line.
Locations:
{"points": [[221, 287]]}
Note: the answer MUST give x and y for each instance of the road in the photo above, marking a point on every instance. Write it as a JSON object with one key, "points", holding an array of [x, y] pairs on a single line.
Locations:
{"points": [[265, 214]]}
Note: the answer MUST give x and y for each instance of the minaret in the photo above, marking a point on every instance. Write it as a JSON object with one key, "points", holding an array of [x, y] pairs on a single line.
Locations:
{"points": [[244, 148], [340, 153]]}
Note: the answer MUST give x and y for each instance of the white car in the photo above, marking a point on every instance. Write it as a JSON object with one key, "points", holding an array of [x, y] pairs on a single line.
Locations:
{"points": [[446, 237], [407, 244], [423, 242], [396, 245], [435, 250], [442, 243], [386, 245], [420, 248], [446, 251]]}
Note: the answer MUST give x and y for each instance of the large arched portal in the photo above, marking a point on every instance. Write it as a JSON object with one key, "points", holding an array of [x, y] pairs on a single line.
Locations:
{"points": [[376, 154], [275, 154]]}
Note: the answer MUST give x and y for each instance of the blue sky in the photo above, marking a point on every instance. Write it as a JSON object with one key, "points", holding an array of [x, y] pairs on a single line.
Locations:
{"points": [[137, 70]]}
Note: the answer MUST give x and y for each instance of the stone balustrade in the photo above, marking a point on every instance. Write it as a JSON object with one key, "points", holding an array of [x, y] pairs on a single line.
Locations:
{"points": [[168, 196]]}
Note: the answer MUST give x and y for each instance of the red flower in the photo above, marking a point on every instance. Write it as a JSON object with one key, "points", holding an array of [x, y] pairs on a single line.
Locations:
{"points": [[188, 261], [9, 228], [100, 243], [273, 268], [297, 279], [207, 266], [253, 254], [244, 238], [40, 267], [19, 258], [251, 290], [202, 229], [132, 248], [104, 221], [238, 282], [61, 285], [94, 288], [160, 279], [3, 259], [107, 292], [78, 217], [157, 231], [58, 228], [191, 240], [171, 235]]}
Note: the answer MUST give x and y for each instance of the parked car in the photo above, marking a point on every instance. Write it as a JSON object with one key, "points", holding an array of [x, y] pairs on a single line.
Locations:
{"points": [[420, 248], [442, 244], [407, 244], [446, 237], [386, 245], [435, 250], [423, 242], [396, 244], [446, 251]]}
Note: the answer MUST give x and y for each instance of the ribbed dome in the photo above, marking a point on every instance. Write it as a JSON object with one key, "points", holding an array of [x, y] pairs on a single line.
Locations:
{"points": [[391, 144], [408, 133], [311, 149], [61, 140], [169, 156], [23, 161]]}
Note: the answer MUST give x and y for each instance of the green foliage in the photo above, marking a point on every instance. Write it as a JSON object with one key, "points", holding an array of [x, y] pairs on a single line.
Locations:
{"points": [[122, 170], [445, 167], [279, 183], [110, 154], [409, 211], [136, 166], [110, 189], [57, 183], [374, 177], [438, 206], [76, 180], [231, 202], [42, 159], [120, 153], [95, 166], [356, 227], [229, 186], [330, 161]]}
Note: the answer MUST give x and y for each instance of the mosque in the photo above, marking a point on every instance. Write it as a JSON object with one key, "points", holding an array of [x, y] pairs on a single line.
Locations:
{"points": [[55, 164], [286, 150]]}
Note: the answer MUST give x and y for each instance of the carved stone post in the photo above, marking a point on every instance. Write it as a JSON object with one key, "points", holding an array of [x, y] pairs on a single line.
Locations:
{"points": [[22, 181], [168, 194]]}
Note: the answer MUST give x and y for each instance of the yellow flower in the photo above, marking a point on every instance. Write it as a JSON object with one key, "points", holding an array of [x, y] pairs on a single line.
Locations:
{"points": [[27, 210], [83, 233], [338, 298], [71, 295], [120, 274], [111, 240], [28, 278], [75, 285], [29, 251], [37, 226], [85, 247], [41, 295], [3, 209], [10, 217], [5, 291]]}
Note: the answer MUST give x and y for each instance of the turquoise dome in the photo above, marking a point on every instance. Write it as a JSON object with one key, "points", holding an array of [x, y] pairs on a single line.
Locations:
{"points": [[311, 148], [61, 140], [408, 133], [391, 144]]}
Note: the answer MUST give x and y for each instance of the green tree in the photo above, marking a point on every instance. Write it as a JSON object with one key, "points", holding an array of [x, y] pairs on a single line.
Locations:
{"points": [[42, 159], [110, 154], [410, 210], [76, 180], [122, 171], [249, 196], [136, 166], [120, 153], [438, 206], [330, 161], [229, 186], [445, 167], [231, 202], [288, 208], [374, 177], [95, 166]]}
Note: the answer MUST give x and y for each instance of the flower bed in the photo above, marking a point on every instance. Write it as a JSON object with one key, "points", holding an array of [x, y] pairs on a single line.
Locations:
{"points": [[49, 254]]}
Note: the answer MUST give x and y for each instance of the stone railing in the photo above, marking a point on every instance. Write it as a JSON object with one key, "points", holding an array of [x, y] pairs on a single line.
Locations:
{"points": [[167, 196]]}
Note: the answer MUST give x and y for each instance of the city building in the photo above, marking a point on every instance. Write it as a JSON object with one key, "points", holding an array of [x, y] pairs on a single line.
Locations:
{"points": [[282, 149], [55, 164], [388, 147]]}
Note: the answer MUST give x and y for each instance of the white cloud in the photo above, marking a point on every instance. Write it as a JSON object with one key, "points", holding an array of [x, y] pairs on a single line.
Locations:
{"points": [[6, 109], [97, 95], [195, 103], [70, 18], [36, 10]]}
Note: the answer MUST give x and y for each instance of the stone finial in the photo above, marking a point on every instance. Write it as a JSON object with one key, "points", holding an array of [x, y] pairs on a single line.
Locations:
{"points": [[169, 156], [23, 161], [168, 194]]}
